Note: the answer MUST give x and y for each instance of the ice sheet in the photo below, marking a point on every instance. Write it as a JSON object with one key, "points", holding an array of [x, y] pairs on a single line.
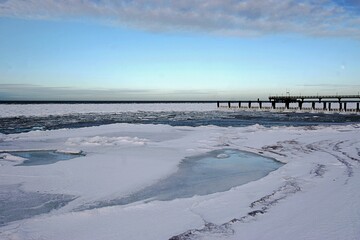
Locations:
{"points": [[314, 196], [216, 171]]}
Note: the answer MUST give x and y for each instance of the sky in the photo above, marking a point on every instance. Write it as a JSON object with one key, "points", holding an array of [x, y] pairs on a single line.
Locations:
{"points": [[177, 50]]}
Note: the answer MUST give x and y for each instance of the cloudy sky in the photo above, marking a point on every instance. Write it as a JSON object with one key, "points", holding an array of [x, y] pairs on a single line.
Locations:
{"points": [[177, 50]]}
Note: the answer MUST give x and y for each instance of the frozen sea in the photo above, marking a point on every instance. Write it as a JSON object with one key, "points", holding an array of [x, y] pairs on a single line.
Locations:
{"points": [[177, 171], [25, 118]]}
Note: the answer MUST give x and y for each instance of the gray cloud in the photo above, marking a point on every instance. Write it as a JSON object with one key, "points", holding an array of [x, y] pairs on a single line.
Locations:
{"points": [[229, 17], [36, 92]]}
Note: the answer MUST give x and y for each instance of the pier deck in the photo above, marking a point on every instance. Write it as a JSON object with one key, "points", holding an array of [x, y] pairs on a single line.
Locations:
{"points": [[300, 103]]}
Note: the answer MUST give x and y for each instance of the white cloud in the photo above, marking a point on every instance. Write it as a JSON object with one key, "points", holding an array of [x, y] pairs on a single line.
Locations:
{"points": [[231, 17]]}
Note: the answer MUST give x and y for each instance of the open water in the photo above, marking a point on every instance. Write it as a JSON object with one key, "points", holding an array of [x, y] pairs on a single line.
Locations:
{"points": [[221, 118]]}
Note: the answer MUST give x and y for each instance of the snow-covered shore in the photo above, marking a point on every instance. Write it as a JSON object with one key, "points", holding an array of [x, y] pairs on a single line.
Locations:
{"points": [[314, 196]]}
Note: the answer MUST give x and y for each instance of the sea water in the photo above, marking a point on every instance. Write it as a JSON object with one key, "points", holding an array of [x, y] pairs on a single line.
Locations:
{"points": [[222, 118]]}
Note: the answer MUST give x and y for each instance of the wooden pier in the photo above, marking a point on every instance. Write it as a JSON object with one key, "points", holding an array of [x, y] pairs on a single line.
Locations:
{"points": [[336, 103]]}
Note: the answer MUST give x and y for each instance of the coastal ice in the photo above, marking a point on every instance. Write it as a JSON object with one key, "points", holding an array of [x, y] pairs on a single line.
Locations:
{"points": [[10, 157], [12, 110], [315, 195], [105, 141], [200, 175]]}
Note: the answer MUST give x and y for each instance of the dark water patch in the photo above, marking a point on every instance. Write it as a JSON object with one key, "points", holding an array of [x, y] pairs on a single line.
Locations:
{"points": [[217, 171], [43, 157], [174, 118], [16, 204]]}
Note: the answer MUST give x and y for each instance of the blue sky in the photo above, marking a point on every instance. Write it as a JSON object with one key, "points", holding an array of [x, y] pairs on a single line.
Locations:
{"points": [[177, 50]]}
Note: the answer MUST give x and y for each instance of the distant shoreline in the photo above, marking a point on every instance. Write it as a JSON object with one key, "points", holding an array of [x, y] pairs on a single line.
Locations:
{"points": [[97, 102]]}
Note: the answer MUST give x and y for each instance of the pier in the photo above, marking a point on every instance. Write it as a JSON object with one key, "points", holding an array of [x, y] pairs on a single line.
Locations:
{"points": [[326, 103]]}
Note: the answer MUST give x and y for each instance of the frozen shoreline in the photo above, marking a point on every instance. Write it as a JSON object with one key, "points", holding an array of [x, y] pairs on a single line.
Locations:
{"points": [[314, 196]]}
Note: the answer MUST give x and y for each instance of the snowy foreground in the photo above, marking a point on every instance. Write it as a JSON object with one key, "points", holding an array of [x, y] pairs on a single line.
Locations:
{"points": [[316, 195]]}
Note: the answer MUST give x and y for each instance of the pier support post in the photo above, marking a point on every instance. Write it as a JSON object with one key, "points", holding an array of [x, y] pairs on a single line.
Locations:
{"points": [[273, 105], [324, 106], [239, 104], [345, 106], [357, 107], [249, 104], [329, 106], [313, 105], [340, 106], [287, 105], [218, 104], [300, 105], [229, 104]]}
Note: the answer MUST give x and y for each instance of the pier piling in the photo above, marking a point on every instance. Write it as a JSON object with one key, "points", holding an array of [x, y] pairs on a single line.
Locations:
{"points": [[287, 105]]}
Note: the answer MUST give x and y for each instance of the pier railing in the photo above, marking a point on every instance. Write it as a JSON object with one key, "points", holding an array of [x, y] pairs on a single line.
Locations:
{"points": [[302, 98]]}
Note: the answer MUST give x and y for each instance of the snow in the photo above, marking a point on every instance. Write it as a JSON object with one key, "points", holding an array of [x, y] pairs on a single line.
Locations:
{"points": [[314, 196], [14, 110], [222, 155], [10, 157], [105, 141]]}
